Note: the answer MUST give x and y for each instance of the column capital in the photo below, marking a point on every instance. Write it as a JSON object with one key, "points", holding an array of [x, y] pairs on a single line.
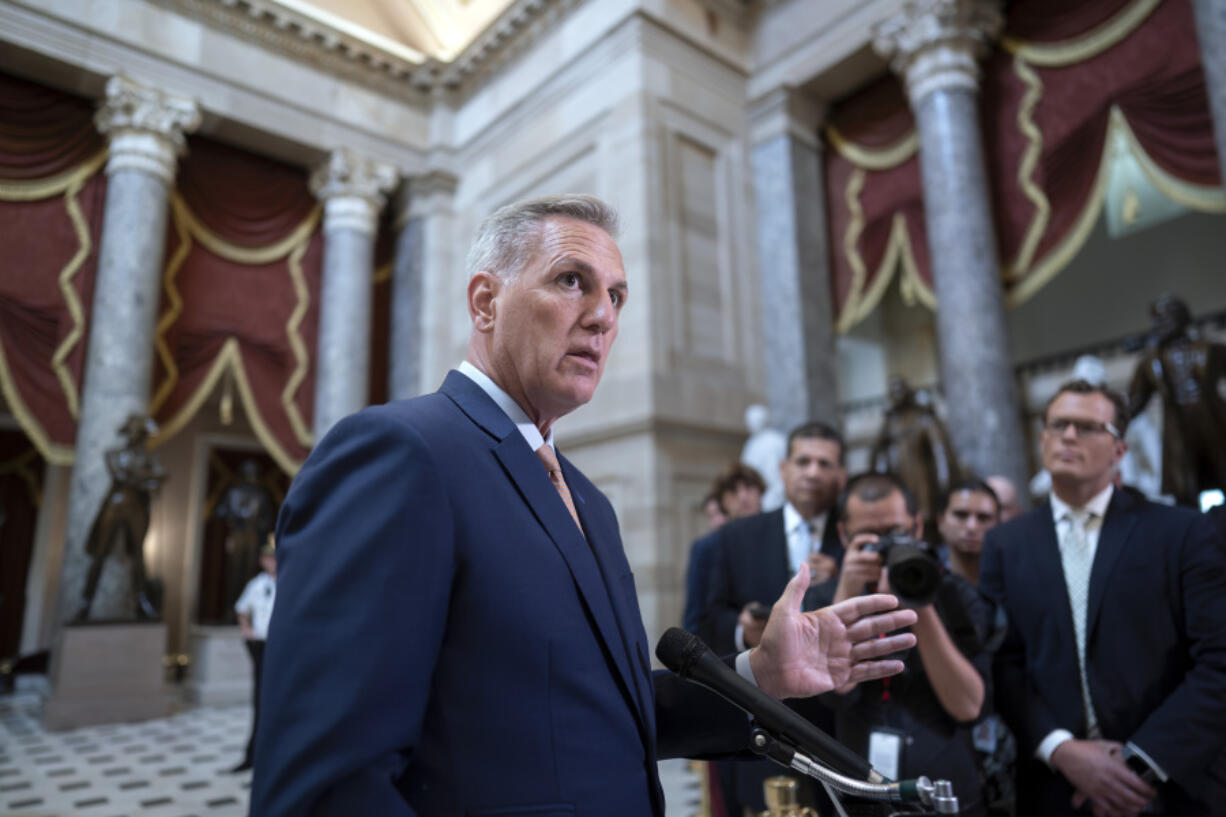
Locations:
{"points": [[353, 189], [786, 110], [936, 44], [146, 127], [426, 194]]}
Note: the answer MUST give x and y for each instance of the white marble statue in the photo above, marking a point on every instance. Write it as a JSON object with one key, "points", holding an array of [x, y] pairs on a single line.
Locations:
{"points": [[765, 449]]}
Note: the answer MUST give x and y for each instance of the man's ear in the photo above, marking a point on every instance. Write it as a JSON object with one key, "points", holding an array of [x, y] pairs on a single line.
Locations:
{"points": [[917, 527], [483, 289]]}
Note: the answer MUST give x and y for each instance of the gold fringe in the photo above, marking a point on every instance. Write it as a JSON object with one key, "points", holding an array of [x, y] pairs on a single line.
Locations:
{"points": [[867, 158], [301, 357], [912, 286], [1091, 44], [1026, 168]]}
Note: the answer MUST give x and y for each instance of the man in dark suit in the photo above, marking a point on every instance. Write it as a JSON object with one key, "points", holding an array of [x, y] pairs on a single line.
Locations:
{"points": [[752, 560], [456, 629], [1113, 670], [738, 490]]}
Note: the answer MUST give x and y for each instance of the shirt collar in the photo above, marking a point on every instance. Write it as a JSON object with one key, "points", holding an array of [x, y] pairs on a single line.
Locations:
{"points": [[792, 519], [517, 415], [1097, 505]]}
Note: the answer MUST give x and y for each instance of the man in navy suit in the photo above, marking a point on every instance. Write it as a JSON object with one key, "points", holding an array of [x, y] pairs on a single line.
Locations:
{"points": [[750, 562], [457, 630], [1113, 673]]}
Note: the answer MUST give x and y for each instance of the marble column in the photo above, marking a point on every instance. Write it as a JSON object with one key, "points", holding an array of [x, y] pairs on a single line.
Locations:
{"points": [[935, 45], [146, 131], [793, 260], [1211, 31], [425, 208], [353, 189]]}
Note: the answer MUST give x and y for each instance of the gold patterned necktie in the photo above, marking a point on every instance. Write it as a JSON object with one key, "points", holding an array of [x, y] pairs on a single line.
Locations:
{"points": [[550, 461], [1078, 565]]}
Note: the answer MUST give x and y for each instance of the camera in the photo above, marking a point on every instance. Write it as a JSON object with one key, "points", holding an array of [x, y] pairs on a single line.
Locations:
{"points": [[912, 565]]}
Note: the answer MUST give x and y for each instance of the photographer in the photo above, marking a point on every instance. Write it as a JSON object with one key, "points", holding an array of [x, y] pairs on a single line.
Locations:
{"points": [[918, 722]]}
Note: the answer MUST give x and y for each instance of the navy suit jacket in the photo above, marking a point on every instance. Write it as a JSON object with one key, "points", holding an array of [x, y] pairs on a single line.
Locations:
{"points": [[750, 563], [1155, 647], [446, 642]]}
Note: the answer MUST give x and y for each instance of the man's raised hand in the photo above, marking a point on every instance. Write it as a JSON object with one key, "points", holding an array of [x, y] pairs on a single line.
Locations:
{"points": [[806, 654]]}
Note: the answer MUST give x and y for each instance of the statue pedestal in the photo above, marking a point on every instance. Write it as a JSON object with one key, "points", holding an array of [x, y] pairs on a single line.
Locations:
{"points": [[221, 667], [107, 672]]}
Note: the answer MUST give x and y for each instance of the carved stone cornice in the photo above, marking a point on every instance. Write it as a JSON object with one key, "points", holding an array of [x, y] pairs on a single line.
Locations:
{"points": [[146, 127], [385, 65], [353, 189], [936, 44]]}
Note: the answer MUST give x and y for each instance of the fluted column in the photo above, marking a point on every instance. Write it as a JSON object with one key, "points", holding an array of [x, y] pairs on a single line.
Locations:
{"points": [[794, 260], [935, 45], [422, 244], [353, 189], [1211, 31], [145, 128]]}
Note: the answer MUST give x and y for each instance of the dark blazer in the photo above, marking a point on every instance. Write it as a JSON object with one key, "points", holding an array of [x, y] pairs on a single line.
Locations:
{"points": [[1155, 647], [697, 576], [446, 642], [751, 564]]}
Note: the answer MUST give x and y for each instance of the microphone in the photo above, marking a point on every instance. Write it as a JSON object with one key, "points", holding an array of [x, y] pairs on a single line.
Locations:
{"points": [[685, 654]]}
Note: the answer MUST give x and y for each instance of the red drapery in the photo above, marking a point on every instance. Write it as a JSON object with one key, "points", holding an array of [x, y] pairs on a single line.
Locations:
{"points": [[1065, 76], [51, 201], [240, 296]]}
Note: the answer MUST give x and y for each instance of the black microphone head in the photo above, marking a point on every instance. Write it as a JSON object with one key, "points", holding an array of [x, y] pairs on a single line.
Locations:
{"points": [[678, 650]]}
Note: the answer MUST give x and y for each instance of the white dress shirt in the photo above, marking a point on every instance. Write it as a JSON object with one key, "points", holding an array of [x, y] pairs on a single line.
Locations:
{"points": [[804, 535]]}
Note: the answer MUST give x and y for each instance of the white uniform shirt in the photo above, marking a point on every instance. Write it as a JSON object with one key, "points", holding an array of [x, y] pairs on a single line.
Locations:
{"points": [[256, 601]]}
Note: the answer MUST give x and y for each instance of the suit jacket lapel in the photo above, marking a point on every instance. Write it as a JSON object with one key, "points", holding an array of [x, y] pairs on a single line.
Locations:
{"points": [[604, 544], [1117, 525], [779, 565], [528, 474]]}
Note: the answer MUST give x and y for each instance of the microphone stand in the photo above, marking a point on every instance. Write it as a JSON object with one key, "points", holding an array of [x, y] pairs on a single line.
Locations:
{"points": [[938, 796]]}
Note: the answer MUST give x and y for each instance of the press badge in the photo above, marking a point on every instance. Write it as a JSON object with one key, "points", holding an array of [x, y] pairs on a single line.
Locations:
{"points": [[885, 752]]}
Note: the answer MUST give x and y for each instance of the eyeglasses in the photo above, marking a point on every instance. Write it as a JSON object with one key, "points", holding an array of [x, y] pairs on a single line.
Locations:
{"points": [[1081, 428]]}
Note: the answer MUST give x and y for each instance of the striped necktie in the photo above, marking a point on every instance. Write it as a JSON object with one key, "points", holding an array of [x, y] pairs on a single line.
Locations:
{"points": [[550, 461], [1077, 561]]}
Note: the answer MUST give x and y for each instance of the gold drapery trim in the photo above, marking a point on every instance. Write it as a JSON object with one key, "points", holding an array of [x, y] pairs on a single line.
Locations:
{"points": [[36, 189], [85, 245], [229, 358], [50, 450], [868, 158], [1059, 256], [1204, 198], [383, 273], [1088, 45], [851, 250], [68, 184], [237, 253], [20, 465], [899, 257], [298, 347], [189, 228], [1025, 171], [182, 232]]}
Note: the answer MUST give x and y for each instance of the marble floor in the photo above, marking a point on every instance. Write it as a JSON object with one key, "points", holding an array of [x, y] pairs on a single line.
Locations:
{"points": [[169, 767]]}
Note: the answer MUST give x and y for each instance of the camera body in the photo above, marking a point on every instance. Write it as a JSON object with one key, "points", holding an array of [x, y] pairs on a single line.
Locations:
{"points": [[912, 566]]}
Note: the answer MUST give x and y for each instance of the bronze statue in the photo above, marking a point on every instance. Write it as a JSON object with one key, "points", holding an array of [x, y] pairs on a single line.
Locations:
{"points": [[135, 476], [914, 444], [1189, 373], [249, 513]]}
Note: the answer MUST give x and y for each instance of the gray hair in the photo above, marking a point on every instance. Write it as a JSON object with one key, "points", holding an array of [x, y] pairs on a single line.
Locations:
{"points": [[507, 240]]}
